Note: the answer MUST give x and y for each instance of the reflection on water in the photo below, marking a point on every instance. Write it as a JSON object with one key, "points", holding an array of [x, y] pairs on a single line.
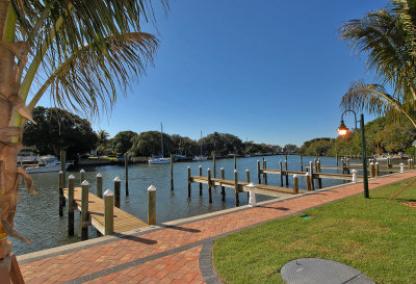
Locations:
{"points": [[37, 216]]}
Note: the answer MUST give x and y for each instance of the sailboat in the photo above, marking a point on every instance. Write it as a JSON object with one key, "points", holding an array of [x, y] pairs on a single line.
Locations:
{"points": [[200, 157], [160, 159]]}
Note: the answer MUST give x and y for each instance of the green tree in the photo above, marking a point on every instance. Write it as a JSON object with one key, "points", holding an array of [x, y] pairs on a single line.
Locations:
{"points": [[388, 37], [57, 129], [148, 144], [80, 53], [222, 144], [123, 141]]}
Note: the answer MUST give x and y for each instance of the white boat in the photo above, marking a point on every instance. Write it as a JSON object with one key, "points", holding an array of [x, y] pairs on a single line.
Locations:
{"points": [[160, 159], [200, 157], [27, 157], [46, 164]]}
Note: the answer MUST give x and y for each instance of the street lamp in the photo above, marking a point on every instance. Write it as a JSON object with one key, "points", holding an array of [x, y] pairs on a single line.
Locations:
{"points": [[343, 130]]}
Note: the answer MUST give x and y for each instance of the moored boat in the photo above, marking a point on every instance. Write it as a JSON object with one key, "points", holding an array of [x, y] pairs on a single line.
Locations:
{"points": [[46, 164]]}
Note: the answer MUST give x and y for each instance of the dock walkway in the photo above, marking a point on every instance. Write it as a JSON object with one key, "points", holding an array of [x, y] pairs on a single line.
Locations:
{"points": [[123, 221]]}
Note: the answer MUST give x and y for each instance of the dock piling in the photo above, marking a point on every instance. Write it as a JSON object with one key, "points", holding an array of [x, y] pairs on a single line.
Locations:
{"points": [[71, 185], [84, 209], [62, 158], [200, 174], [318, 170], [235, 161], [209, 186], [295, 183], [126, 170], [248, 180], [311, 175], [308, 179], [377, 164], [117, 184], [99, 185], [151, 197], [286, 173], [301, 163], [108, 212], [237, 198], [222, 187], [189, 182], [214, 165], [258, 171], [61, 193], [281, 173], [264, 174], [171, 171], [81, 176]]}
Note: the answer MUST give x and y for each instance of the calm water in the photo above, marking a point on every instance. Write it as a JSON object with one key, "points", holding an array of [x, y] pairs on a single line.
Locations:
{"points": [[37, 216]]}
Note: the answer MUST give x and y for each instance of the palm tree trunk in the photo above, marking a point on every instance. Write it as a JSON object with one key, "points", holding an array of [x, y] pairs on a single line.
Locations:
{"points": [[9, 137]]}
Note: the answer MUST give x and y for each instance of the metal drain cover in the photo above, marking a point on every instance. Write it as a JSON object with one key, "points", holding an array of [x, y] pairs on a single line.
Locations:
{"points": [[321, 271]]}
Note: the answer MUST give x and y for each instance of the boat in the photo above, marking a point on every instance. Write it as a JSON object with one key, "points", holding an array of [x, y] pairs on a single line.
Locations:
{"points": [[160, 159], [27, 156], [46, 164], [200, 157]]}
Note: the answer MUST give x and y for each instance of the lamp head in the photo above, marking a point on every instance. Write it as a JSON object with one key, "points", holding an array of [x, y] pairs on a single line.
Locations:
{"points": [[343, 129]]}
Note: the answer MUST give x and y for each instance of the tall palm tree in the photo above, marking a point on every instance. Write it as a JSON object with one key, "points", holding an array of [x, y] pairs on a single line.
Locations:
{"points": [[80, 53], [102, 139], [388, 37]]}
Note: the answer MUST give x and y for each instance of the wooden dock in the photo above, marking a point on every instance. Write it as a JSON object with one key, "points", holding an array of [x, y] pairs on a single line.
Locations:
{"points": [[270, 190], [123, 221], [316, 175]]}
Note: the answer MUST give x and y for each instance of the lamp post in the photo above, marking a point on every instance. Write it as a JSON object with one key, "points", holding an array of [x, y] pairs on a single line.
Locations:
{"points": [[343, 130]]}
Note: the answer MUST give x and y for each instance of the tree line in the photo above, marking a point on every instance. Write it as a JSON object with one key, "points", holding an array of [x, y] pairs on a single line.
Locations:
{"points": [[54, 129]]}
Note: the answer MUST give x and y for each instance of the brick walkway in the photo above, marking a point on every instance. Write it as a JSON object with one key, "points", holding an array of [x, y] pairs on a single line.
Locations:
{"points": [[170, 254]]}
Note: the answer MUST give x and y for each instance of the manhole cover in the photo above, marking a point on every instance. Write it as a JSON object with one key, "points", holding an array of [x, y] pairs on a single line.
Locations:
{"points": [[321, 271]]}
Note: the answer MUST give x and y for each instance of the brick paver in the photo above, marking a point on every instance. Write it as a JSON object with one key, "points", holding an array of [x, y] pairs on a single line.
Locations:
{"points": [[171, 255]]}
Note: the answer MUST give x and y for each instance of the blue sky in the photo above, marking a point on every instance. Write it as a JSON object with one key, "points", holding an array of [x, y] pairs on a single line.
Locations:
{"points": [[268, 71]]}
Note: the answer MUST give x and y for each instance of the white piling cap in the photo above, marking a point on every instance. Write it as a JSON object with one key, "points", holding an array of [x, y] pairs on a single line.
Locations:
{"points": [[99, 175], [247, 170], [221, 168], [151, 188], [377, 163], [401, 164], [61, 172], [200, 166], [85, 183], [82, 171], [108, 192], [295, 176], [235, 171], [71, 177], [354, 171], [208, 169], [306, 174], [250, 185], [116, 179]]}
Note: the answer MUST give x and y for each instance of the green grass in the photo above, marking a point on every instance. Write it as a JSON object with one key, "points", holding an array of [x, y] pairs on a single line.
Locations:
{"points": [[376, 236]]}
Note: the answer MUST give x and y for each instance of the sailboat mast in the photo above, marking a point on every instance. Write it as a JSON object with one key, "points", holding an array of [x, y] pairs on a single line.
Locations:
{"points": [[161, 139], [200, 146]]}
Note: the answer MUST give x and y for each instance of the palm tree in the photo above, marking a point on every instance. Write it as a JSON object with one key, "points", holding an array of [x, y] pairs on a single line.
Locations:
{"points": [[388, 37], [80, 53], [102, 139]]}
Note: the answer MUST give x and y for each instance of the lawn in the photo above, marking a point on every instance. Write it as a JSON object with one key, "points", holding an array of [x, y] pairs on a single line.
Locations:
{"points": [[376, 236]]}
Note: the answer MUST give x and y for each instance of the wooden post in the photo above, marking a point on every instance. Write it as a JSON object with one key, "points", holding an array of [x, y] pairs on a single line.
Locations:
{"points": [[117, 184], [308, 181], [311, 175], [286, 174], [214, 165], [281, 173], [62, 158], [235, 161], [126, 169], [222, 187], [301, 163], [61, 193], [372, 169], [264, 174], [99, 184], [318, 169], [108, 212], [71, 185], [209, 186], [171, 171], [377, 165], [295, 183], [200, 184], [189, 182], [81, 176], [258, 172], [248, 180], [237, 197], [151, 206], [84, 209]]}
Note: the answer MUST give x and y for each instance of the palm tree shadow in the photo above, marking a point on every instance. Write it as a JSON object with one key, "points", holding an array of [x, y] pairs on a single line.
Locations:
{"points": [[184, 229], [136, 239]]}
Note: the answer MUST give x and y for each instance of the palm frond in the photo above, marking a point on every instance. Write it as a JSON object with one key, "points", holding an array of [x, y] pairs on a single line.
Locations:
{"points": [[374, 99]]}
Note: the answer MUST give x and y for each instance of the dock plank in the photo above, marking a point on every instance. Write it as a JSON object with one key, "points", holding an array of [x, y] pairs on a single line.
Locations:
{"points": [[123, 221]]}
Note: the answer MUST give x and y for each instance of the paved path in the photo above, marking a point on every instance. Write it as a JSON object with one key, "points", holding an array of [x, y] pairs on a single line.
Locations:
{"points": [[174, 254]]}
